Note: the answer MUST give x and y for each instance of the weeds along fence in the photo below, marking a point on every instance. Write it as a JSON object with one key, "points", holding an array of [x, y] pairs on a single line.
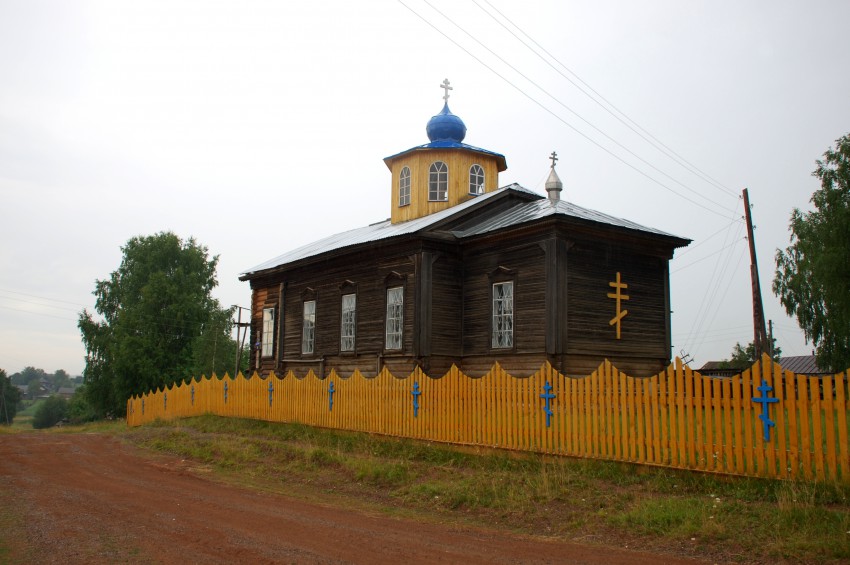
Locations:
{"points": [[766, 422]]}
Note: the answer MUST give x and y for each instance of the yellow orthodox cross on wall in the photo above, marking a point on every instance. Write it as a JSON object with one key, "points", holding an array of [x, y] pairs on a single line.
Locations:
{"points": [[619, 296]]}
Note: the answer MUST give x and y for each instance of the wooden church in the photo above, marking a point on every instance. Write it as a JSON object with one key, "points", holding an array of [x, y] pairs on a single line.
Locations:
{"points": [[467, 273]]}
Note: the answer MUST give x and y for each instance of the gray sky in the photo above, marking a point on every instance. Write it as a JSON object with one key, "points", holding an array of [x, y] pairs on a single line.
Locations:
{"points": [[260, 126]]}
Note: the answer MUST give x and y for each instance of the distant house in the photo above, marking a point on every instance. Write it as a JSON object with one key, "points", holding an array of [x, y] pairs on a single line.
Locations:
{"points": [[467, 273], [720, 369], [799, 364], [65, 392], [803, 365]]}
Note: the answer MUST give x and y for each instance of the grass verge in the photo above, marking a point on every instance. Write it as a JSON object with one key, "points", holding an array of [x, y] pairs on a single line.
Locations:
{"points": [[667, 511]]}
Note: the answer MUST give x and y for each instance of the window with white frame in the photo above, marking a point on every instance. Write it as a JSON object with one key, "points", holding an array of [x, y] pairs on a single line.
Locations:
{"points": [[395, 317], [476, 179], [438, 182], [308, 327], [404, 187], [267, 343], [348, 324], [503, 316]]}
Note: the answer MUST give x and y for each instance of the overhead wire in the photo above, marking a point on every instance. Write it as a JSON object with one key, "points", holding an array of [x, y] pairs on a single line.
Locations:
{"points": [[573, 112], [721, 266], [608, 105], [714, 281], [558, 117]]}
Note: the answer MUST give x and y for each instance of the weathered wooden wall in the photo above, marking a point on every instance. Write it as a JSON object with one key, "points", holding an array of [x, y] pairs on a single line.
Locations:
{"points": [[561, 306]]}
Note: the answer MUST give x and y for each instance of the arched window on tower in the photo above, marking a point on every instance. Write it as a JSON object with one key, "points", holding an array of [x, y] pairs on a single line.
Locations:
{"points": [[476, 179], [404, 187], [438, 182]]}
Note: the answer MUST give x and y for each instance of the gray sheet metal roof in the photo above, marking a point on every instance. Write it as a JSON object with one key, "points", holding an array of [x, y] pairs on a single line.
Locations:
{"points": [[531, 211], [801, 364], [373, 232], [521, 213], [448, 144]]}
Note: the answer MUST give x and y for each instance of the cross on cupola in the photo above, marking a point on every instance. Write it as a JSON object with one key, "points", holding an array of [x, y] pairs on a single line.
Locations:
{"points": [[554, 186], [445, 86]]}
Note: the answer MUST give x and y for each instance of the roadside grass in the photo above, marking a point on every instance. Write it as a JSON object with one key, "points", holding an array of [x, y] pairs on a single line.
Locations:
{"points": [[712, 516], [23, 419]]}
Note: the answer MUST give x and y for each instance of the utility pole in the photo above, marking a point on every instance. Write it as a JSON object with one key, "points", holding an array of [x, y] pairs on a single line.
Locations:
{"points": [[770, 339], [760, 342], [240, 343]]}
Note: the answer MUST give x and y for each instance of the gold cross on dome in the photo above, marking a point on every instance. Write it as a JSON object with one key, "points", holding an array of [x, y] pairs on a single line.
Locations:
{"points": [[445, 86]]}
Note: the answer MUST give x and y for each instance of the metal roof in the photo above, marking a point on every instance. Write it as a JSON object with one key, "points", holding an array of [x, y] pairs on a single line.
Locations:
{"points": [[801, 364], [543, 208], [449, 144], [374, 232], [534, 208]]}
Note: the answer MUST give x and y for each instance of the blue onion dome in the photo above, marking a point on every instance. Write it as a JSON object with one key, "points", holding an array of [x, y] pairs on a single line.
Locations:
{"points": [[445, 126]]}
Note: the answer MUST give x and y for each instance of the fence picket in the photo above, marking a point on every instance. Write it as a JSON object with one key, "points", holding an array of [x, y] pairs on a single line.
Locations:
{"points": [[677, 418]]}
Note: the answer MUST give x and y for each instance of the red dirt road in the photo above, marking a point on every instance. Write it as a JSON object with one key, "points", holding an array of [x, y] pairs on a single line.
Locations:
{"points": [[88, 498]]}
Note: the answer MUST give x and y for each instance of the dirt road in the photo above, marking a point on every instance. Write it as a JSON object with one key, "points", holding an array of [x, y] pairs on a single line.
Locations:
{"points": [[88, 498]]}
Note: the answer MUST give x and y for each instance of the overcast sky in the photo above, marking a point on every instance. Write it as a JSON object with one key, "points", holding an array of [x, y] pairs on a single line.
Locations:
{"points": [[257, 127]]}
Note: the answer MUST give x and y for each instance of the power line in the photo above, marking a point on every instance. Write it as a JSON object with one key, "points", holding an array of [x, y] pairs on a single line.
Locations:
{"points": [[596, 97], [37, 313], [576, 114], [41, 297], [559, 118], [39, 303], [721, 250]]}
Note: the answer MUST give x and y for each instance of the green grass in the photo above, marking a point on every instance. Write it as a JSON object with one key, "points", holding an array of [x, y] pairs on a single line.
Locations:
{"points": [[23, 419], [717, 517]]}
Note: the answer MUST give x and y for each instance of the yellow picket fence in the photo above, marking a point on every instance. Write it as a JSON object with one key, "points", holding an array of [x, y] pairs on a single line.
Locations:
{"points": [[765, 422]]}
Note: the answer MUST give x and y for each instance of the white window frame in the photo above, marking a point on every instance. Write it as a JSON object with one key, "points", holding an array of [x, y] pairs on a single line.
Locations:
{"points": [[438, 182], [476, 179], [308, 328], [395, 318], [267, 343], [404, 187], [348, 322], [502, 331]]}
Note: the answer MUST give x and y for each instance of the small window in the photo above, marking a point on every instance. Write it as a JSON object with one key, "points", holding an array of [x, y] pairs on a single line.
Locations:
{"points": [[348, 325], [404, 187], [476, 180], [308, 331], [503, 315], [395, 317], [438, 182], [268, 332]]}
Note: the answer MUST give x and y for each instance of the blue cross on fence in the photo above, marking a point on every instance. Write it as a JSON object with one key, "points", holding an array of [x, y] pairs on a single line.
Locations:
{"points": [[193, 395], [165, 401], [225, 392], [765, 402], [271, 390], [331, 391], [548, 396], [416, 392]]}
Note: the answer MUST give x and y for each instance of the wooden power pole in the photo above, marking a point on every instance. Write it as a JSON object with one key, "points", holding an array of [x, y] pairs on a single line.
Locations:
{"points": [[759, 333]]}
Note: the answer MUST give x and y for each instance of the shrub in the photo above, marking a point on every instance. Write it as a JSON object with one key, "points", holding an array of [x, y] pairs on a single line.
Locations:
{"points": [[80, 410], [51, 412]]}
